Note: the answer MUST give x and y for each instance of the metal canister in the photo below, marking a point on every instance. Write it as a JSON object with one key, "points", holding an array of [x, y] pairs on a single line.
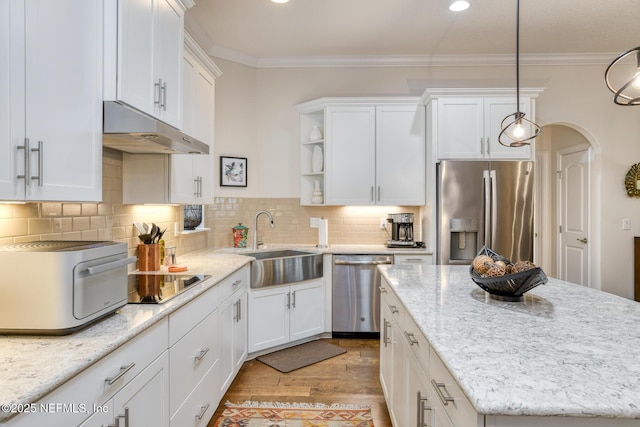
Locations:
{"points": [[240, 236]]}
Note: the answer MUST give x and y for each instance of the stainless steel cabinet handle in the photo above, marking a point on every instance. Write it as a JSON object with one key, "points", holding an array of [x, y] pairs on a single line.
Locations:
{"points": [[288, 300], [25, 147], [239, 310], [40, 160], [203, 409], [201, 355], [238, 314], [236, 283], [123, 370], [488, 146], [378, 193], [158, 92], [125, 416], [441, 388], [383, 290], [164, 97], [394, 309], [372, 193], [385, 335], [582, 240], [422, 407], [293, 300], [195, 184], [411, 338]]}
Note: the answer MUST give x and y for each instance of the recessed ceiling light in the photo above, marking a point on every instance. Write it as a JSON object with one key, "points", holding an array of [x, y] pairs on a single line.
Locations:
{"points": [[280, 1], [459, 5]]}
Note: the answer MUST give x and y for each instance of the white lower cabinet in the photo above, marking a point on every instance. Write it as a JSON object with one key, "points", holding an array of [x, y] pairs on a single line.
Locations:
{"points": [[418, 390], [145, 400], [283, 314], [194, 360], [98, 385], [232, 329]]}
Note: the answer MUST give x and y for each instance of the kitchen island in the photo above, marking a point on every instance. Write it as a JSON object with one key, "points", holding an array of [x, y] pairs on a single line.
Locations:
{"points": [[566, 355]]}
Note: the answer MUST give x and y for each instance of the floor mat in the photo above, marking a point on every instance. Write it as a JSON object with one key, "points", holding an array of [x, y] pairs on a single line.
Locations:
{"points": [[302, 355], [275, 414]]}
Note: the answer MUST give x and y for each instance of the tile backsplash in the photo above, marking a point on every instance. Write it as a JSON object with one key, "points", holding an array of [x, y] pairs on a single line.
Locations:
{"points": [[111, 220]]}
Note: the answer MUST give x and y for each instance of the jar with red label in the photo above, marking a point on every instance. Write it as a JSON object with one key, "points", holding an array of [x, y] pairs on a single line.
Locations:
{"points": [[240, 236]]}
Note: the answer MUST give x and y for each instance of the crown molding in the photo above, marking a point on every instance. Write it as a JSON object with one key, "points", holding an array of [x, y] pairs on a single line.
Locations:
{"points": [[410, 60]]}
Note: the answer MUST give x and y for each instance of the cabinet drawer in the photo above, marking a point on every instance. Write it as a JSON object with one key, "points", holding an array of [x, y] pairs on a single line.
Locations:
{"points": [[199, 407], [99, 382], [187, 317], [447, 391], [228, 286], [191, 358], [413, 259]]}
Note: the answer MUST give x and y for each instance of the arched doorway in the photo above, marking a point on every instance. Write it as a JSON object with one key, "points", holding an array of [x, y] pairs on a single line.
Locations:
{"points": [[567, 229]]}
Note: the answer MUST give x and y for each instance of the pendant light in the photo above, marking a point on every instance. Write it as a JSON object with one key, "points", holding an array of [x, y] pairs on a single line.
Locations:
{"points": [[516, 130], [629, 92]]}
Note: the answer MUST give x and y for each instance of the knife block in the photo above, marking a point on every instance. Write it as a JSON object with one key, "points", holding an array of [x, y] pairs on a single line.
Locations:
{"points": [[149, 257]]}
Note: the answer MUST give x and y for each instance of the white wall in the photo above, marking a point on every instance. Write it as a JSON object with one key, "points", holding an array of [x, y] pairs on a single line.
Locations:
{"points": [[255, 119]]}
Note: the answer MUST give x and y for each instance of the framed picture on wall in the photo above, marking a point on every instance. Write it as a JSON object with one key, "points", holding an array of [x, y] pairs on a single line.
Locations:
{"points": [[233, 171]]}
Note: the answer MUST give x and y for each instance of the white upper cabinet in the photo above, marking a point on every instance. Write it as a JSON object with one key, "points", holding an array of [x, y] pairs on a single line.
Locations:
{"points": [[374, 151], [145, 67], [351, 156], [466, 123], [51, 100], [192, 174], [400, 155], [180, 178]]}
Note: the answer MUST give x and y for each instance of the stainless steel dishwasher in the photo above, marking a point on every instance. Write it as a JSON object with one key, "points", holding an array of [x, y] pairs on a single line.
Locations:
{"points": [[356, 295]]}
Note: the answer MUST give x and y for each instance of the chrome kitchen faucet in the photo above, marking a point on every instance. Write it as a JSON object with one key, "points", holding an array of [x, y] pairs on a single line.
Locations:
{"points": [[257, 244]]}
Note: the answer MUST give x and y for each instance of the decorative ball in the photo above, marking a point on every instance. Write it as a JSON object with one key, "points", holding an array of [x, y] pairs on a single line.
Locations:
{"points": [[495, 270], [521, 266], [481, 263]]}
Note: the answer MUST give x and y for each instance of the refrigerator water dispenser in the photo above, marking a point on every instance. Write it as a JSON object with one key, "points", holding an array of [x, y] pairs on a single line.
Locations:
{"points": [[464, 239]]}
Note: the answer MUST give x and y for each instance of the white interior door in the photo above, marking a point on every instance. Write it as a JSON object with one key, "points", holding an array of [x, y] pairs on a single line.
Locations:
{"points": [[574, 195]]}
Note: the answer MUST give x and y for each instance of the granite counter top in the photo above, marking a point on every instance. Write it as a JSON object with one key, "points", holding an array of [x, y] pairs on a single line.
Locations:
{"points": [[565, 350], [32, 366]]}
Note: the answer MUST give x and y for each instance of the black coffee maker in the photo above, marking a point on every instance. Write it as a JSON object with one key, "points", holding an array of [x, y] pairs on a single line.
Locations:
{"points": [[401, 230]]}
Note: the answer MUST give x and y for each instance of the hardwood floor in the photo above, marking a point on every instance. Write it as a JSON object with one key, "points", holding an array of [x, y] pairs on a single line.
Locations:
{"points": [[352, 377]]}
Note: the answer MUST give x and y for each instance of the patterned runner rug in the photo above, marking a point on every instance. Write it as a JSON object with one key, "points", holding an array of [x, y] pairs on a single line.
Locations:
{"points": [[275, 414]]}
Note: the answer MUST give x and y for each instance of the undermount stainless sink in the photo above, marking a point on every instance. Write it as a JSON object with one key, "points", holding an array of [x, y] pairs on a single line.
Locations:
{"points": [[279, 267]]}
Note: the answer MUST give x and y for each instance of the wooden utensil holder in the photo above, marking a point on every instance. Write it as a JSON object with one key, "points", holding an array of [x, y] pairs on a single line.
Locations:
{"points": [[149, 257]]}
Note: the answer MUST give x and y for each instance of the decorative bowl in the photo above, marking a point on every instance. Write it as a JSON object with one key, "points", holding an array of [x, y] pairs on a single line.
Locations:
{"points": [[509, 287]]}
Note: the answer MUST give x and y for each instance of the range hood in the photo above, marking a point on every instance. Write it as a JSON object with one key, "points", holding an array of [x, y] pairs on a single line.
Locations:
{"points": [[129, 130]]}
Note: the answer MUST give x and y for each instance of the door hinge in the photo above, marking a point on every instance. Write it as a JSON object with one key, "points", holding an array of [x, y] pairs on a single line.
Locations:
{"points": [[559, 174]]}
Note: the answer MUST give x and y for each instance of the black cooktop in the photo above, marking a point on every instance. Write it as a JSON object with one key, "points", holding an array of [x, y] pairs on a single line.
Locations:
{"points": [[159, 288]]}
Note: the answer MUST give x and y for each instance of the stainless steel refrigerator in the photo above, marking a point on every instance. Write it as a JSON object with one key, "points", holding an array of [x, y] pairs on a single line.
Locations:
{"points": [[484, 203]]}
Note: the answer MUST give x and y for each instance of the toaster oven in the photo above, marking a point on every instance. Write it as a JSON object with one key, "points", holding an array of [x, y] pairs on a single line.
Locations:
{"points": [[53, 287]]}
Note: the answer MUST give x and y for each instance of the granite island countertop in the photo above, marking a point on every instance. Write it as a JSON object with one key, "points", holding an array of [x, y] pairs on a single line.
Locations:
{"points": [[566, 350], [33, 366]]}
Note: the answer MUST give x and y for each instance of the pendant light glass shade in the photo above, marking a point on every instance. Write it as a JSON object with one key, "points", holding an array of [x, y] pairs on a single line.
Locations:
{"points": [[628, 92], [516, 130]]}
